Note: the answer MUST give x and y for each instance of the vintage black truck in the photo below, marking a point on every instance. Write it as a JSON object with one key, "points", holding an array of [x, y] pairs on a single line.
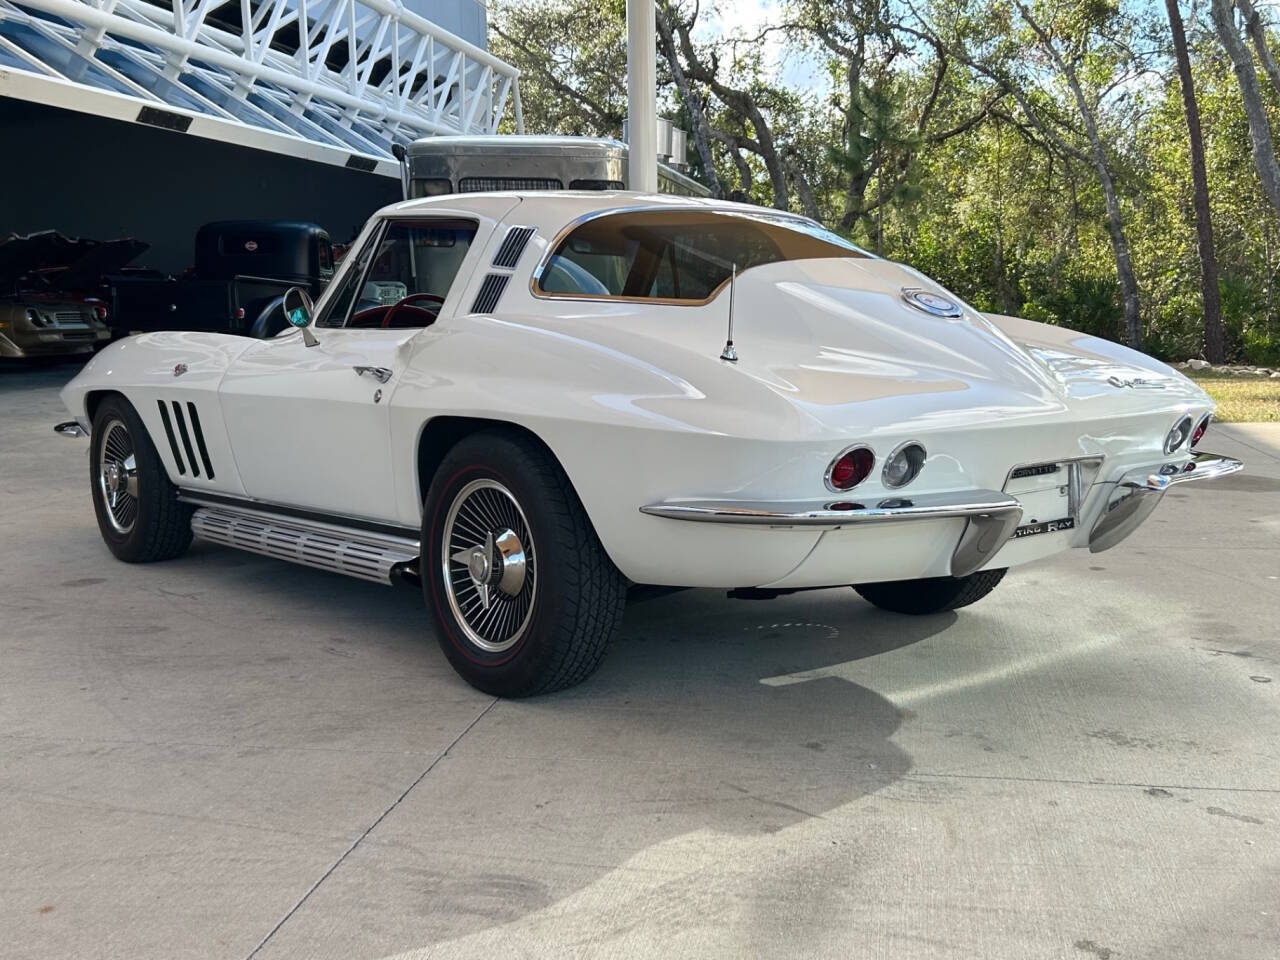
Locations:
{"points": [[242, 269]]}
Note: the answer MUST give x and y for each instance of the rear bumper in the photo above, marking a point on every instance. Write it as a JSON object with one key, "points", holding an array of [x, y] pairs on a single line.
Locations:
{"points": [[947, 533], [989, 518], [1139, 492]]}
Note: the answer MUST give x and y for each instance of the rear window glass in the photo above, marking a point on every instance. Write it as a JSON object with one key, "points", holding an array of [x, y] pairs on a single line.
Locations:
{"points": [[683, 255]]}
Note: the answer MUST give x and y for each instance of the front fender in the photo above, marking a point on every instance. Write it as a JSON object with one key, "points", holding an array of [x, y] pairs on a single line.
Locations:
{"points": [[181, 369]]}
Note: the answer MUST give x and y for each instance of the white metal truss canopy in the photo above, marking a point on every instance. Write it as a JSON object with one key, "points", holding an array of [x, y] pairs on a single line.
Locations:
{"points": [[332, 80]]}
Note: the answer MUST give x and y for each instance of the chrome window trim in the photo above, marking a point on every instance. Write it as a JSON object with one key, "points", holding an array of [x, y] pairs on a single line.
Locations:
{"points": [[322, 313]]}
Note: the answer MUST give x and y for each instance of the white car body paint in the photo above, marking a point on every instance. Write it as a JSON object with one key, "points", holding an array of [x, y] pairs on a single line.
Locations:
{"points": [[633, 400]]}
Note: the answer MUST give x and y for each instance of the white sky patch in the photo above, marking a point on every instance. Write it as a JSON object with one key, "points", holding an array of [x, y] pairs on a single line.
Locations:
{"points": [[745, 20]]}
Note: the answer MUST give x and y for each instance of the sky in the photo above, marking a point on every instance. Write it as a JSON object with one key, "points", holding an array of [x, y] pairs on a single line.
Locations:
{"points": [[746, 18]]}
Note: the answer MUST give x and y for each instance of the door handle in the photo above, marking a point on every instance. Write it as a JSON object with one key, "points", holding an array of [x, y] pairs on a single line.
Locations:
{"points": [[381, 374]]}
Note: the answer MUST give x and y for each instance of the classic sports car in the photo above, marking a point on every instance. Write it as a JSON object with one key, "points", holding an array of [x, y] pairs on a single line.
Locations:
{"points": [[43, 309], [531, 402]]}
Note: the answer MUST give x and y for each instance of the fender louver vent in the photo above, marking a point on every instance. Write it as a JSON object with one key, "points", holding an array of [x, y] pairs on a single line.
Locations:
{"points": [[512, 246], [187, 434], [490, 292]]}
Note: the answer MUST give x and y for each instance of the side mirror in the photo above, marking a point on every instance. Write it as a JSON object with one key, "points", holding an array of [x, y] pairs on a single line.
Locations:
{"points": [[300, 311]]}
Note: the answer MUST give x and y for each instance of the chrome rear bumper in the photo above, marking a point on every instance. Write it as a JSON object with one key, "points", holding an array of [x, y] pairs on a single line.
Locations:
{"points": [[992, 517], [1140, 492]]}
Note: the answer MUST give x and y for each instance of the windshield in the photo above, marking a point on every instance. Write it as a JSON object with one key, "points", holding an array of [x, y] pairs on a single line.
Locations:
{"points": [[679, 255]]}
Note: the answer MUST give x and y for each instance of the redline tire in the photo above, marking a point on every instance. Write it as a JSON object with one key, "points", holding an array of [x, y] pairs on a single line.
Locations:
{"points": [[576, 598]]}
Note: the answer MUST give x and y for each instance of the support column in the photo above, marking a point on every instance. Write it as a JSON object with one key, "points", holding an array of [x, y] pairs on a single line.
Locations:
{"points": [[642, 97]]}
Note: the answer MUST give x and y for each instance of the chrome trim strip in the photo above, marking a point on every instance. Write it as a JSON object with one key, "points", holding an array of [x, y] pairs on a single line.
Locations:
{"points": [[821, 513], [70, 428]]}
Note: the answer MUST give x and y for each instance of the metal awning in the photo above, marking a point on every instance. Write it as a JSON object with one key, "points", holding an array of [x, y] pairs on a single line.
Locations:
{"points": [[336, 81]]}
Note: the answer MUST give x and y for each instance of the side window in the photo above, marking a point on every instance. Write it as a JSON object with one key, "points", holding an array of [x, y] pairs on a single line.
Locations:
{"points": [[411, 273], [335, 314]]}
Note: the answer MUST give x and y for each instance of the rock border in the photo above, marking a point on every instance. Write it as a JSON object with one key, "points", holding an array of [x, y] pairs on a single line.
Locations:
{"points": [[1235, 369]]}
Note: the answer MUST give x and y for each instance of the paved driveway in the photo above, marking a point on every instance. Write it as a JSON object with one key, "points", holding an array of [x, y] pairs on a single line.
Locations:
{"points": [[226, 756]]}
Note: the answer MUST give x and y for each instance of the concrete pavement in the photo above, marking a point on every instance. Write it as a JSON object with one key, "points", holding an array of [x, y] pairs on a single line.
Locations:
{"points": [[227, 756]]}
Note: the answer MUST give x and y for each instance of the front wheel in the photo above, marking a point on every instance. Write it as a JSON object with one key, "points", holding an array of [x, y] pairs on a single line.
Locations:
{"points": [[933, 595], [524, 597], [138, 510]]}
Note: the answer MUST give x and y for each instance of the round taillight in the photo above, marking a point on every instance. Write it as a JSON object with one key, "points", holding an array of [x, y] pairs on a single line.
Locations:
{"points": [[1177, 435], [903, 465], [850, 468], [1198, 433]]}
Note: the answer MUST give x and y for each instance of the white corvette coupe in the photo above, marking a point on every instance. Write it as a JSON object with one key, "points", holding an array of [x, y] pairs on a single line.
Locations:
{"points": [[531, 402]]}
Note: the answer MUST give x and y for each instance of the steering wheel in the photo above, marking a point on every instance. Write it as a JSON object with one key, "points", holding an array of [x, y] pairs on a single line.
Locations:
{"points": [[411, 298]]}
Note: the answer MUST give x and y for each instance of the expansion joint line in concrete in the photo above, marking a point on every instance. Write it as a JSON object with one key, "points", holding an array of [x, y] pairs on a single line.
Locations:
{"points": [[369, 829]]}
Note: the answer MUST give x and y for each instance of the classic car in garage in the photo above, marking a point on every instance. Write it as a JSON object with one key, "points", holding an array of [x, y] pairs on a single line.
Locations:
{"points": [[44, 310], [532, 402]]}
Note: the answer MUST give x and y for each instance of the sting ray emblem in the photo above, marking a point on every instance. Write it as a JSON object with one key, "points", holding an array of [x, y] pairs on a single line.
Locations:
{"points": [[1137, 383], [179, 369], [931, 303]]}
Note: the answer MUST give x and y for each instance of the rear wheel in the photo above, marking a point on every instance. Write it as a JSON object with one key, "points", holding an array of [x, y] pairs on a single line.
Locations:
{"points": [[138, 510], [524, 597], [933, 595]]}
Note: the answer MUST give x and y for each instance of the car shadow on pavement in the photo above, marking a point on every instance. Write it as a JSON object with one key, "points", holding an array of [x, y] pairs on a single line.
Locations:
{"points": [[712, 721], [716, 732]]}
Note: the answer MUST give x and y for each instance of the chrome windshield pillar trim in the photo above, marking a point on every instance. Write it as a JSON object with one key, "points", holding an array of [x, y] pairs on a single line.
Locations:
{"points": [[1141, 491], [833, 514], [71, 429]]}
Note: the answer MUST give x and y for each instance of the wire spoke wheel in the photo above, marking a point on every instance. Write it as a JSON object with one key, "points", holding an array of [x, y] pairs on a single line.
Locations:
{"points": [[118, 477], [488, 565]]}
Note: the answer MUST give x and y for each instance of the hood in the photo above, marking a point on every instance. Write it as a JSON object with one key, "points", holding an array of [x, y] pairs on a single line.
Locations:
{"points": [[65, 262], [829, 334]]}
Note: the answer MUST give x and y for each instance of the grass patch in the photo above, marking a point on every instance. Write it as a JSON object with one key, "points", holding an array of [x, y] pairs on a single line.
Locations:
{"points": [[1241, 399]]}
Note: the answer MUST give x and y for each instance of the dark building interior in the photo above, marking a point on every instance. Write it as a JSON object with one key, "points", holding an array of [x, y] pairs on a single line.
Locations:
{"points": [[90, 176]]}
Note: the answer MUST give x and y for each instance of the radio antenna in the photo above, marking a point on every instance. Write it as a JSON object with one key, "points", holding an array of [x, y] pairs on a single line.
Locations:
{"points": [[729, 353]]}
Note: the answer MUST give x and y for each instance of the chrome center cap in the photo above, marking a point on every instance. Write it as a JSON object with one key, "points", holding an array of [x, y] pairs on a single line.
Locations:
{"points": [[507, 575], [111, 473], [478, 565]]}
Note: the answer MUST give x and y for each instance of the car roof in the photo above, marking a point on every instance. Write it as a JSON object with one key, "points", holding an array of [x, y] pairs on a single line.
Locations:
{"points": [[551, 210]]}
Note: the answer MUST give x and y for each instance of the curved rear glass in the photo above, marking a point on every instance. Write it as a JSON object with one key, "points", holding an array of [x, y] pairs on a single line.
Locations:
{"points": [[681, 256]]}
